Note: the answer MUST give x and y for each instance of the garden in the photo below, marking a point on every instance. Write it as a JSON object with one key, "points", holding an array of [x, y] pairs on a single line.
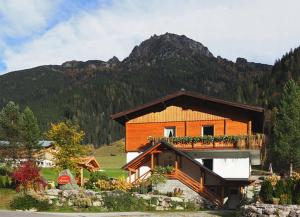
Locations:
{"points": [[278, 196]]}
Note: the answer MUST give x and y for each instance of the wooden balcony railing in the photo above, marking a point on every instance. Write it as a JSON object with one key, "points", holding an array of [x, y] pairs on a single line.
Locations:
{"points": [[256, 141]]}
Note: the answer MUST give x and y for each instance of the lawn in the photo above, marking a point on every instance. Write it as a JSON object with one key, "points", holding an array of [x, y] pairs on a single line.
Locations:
{"points": [[6, 196], [110, 157]]}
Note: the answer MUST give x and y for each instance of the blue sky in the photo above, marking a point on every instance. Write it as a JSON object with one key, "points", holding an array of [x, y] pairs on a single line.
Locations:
{"points": [[38, 32]]}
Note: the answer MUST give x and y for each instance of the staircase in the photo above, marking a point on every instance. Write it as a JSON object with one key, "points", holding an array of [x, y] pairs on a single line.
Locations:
{"points": [[196, 186]]}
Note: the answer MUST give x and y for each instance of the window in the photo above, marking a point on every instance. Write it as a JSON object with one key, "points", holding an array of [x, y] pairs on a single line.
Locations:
{"points": [[169, 132], [208, 163], [208, 130]]}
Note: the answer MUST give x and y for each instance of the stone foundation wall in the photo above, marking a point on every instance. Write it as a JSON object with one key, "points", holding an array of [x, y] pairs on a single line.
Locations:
{"points": [[188, 193], [265, 210]]}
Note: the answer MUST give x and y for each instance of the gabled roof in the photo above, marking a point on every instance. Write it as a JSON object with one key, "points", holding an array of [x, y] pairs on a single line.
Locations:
{"points": [[89, 163], [165, 144], [123, 116]]}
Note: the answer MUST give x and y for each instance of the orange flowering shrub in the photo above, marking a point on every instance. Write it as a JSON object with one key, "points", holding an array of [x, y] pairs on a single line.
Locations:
{"points": [[119, 184], [296, 176], [273, 179]]}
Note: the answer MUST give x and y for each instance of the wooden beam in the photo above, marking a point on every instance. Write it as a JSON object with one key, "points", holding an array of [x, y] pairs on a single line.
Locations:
{"points": [[249, 127], [201, 183], [176, 164], [225, 127], [131, 170], [152, 161], [156, 152], [81, 176], [222, 194]]}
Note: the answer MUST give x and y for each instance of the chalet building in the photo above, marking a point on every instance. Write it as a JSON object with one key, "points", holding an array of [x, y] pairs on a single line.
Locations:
{"points": [[211, 143]]}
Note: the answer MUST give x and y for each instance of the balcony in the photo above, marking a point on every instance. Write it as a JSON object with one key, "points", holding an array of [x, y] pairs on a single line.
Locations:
{"points": [[245, 142]]}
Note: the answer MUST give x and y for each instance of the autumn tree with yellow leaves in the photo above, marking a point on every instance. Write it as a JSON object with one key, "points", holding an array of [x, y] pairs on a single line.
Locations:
{"points": [[67, 139]]}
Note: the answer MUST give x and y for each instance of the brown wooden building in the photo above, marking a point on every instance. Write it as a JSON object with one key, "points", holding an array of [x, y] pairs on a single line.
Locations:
{"points": [[211, 135]]}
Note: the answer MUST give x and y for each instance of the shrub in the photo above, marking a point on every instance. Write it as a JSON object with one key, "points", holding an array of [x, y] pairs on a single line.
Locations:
{"points": [[296, 196], [273, 179], [27, 177], [285, 199], [83, 201], [266, 192], [94, 178], [124, 202], [280, 189], [5, 171], [118, 184], [26, 202], [5, 182]]}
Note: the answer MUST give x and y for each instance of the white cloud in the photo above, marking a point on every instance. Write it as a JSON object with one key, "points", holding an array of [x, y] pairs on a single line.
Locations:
{"points": [[259, 30], [21, 18]]}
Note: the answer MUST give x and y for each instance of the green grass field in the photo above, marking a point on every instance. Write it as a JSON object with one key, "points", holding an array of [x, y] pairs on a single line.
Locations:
{"points": [[6, 196]]}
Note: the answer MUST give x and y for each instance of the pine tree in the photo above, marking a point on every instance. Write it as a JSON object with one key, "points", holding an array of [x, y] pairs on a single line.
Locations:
{"points": [[10, 129], [286, 136], [30, 133]]}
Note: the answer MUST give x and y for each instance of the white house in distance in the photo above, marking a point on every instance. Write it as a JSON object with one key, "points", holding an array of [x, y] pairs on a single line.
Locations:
{"points": [[44, 157], [211, 143]]}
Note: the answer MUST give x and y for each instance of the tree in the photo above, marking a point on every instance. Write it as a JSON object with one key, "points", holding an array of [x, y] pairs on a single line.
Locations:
{"points": [[30, 133], [286, 136], [67, 139], [27, 176], [10, 128]]}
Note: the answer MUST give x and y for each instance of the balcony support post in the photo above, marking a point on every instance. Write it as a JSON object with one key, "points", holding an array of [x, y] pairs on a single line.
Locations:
{"points": [[152, 161], [222, 194]]}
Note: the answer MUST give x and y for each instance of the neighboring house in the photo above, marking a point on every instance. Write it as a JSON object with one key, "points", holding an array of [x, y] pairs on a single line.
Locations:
{"points": [[211, 143], [44, 157]]}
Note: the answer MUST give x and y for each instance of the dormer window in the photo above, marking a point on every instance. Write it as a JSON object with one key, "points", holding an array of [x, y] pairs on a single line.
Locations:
{"points": [[208, 130], [169, 132]]}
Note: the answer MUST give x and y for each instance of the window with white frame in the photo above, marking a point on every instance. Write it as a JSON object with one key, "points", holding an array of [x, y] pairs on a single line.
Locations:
{"points": [[169, 132]]}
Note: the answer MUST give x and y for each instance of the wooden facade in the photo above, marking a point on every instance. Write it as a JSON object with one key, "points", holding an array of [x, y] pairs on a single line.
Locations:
{"points": [[187, 122], [188, 112]]}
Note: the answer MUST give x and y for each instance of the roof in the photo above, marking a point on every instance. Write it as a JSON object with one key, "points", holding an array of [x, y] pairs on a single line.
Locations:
{"points": [[151, 148], [120, 116], [42, 143], [89, 163]]}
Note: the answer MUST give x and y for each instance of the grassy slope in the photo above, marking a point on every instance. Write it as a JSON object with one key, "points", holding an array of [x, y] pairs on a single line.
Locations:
{"points": [[111, 158]]}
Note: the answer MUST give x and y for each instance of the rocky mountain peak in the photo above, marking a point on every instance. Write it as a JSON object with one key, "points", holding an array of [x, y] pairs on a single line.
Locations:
{"points": [[167, 46], [113, 61]]}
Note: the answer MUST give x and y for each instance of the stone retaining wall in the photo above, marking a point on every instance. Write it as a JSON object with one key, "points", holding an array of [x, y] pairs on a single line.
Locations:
{"points": [[265, 210], [88, 198]]}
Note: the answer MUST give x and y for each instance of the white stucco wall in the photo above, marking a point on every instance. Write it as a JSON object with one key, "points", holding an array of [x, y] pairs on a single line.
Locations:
{"points": [[231, 167], [142, 170], [131, 155]]}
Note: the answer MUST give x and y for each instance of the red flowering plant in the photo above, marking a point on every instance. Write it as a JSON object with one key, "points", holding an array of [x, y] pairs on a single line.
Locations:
{"points": [[27, 177]]}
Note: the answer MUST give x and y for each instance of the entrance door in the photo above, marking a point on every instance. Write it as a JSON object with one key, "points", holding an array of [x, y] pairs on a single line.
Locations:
{"points": [[234, 198]]}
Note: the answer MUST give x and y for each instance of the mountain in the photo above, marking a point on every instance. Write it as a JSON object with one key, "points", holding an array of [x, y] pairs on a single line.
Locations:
{"points": [[90, 92]]}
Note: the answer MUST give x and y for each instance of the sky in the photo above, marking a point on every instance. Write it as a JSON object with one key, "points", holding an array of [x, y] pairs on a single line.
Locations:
{"points": [[43, 32]]}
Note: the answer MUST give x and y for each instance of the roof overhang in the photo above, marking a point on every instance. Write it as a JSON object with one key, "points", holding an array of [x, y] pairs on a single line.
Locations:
{"points": [[194, 99]]}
